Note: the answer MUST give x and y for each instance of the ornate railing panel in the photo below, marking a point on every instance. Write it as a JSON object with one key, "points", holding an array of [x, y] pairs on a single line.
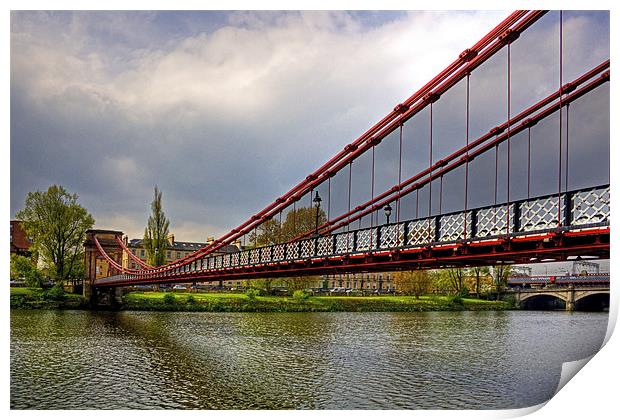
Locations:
{"points": [[420, 232], [453, 227], [278, 252], [366, 239], [391, 236], [292, 250], [325, 246], [344, 243], [497, 220], [590, 206], [540, 214]]}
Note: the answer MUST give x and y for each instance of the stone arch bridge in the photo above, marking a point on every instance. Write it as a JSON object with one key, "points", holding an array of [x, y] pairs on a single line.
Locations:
{"points": [[574, 297]]}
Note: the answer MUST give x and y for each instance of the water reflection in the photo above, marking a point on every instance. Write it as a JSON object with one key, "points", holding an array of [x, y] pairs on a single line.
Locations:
{"points": [[78, 359]]}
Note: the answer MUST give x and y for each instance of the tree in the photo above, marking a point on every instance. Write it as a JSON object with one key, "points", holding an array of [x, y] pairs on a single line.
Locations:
{"points": [[500, 274], [57, 225], [449, 280], [415, 282], [457, 279], [477, 273], [300, 282], [297, 221], [23, 268], [156, 233]]}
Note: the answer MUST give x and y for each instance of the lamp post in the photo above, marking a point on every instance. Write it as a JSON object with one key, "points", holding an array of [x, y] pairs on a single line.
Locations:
{"points": [[317, 203], [388, 211]]}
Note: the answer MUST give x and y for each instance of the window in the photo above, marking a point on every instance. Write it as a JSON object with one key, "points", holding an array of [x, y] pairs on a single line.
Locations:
{"points": [[169, 254], [142, 253], [178, 255]]}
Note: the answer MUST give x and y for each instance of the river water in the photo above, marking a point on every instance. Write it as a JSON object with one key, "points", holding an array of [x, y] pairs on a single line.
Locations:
{"points": [[151, 360]]}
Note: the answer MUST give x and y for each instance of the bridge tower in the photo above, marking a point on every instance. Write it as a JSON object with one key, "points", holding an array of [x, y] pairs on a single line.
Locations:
{"points": [[95, 265]]}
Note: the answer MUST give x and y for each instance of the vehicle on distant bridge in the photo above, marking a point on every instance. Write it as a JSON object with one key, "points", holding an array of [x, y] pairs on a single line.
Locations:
{"points": [[545, 281]]}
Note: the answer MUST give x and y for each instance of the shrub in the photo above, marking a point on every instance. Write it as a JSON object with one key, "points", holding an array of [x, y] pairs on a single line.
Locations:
{"points": [[57, 292], [458, 300], [509, 299], [23, 267], [300, 295], [191, 300], [463, 293], [252, 293], [169, 299]]}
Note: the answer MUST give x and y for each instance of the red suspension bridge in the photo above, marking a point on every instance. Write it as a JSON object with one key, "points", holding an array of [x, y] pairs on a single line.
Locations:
{"points": [[503, 157]]}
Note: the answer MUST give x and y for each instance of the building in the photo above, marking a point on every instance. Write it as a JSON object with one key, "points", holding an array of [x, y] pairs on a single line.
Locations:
{"points": [[360, 281], [176, 250], [20, 242]]}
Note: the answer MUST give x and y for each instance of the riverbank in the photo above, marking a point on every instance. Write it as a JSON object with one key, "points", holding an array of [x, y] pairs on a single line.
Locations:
{"points": [[34, 298], [237, 302], [29, 298]]}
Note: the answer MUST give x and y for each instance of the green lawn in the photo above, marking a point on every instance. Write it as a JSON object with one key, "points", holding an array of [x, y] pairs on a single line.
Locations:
{"points": [[238, 302], [25, 297], [37, 298]]}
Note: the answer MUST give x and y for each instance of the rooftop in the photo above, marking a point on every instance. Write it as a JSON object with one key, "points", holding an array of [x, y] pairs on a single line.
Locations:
{"points": [[187, 246]]}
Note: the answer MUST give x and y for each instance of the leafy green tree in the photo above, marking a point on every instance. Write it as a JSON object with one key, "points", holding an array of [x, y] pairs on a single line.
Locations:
{"points": [[156, 232], [261, 284], [300, 282], [297, 221], [23, 268], [449, 280], [57, 225]]}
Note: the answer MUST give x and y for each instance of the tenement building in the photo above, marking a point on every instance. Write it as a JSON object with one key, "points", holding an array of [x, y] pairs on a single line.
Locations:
{"points": [[360, 281]]}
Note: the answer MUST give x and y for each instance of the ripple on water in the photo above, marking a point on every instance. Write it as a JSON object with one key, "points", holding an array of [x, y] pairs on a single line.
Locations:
{"points": [[141, 360]]}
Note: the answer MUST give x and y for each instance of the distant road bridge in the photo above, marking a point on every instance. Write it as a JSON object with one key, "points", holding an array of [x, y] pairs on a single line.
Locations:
{"points": [[572, 297]]}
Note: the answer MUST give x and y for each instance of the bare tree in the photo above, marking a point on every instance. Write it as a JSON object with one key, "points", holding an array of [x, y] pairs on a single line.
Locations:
{"points": [[457, 278], [477, 273], [500, 274]]}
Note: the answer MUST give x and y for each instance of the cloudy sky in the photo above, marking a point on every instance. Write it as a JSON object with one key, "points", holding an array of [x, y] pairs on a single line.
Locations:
{"points": [[224, 111]]}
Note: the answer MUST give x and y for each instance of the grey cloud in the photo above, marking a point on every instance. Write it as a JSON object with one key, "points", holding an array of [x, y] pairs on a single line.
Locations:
{"points": [[223, 120]]}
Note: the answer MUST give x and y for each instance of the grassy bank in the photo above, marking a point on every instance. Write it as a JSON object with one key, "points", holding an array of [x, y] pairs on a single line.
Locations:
{"points": [[235, 302], [35, 298]]}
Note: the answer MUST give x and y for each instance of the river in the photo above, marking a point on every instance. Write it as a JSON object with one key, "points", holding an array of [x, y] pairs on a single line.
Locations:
{"points": [[151, 360]]}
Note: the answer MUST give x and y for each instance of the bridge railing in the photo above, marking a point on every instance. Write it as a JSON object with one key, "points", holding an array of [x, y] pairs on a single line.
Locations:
{"points": [[578, 209]]}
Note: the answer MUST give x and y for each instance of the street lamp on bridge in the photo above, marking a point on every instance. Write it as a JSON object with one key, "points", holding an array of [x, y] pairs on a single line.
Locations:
{"points": [[388, 211], [317, 203]]}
